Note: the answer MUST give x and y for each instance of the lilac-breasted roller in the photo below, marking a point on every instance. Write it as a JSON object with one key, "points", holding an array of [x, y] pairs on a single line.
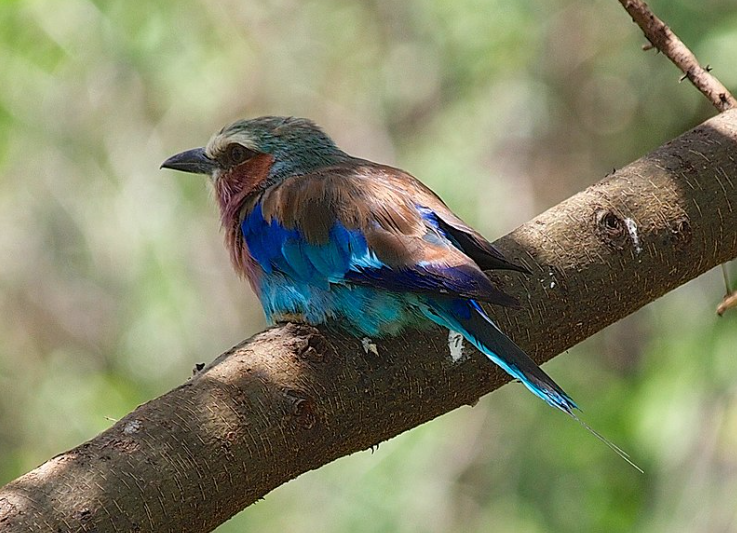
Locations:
{"points": [[325, 237]]}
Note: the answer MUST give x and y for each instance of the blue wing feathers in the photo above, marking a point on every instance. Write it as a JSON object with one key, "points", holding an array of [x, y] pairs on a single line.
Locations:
{"points": [[274, 247], [347, 258], [331, 259], [296, 258], [430, 278]]}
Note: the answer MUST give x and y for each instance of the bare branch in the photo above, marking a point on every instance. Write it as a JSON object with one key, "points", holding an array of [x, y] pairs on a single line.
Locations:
{"points": [[663, 38], [729, 302]]}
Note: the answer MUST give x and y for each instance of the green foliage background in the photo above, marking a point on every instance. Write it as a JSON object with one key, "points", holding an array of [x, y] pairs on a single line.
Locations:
{"points": [[114, 281]]}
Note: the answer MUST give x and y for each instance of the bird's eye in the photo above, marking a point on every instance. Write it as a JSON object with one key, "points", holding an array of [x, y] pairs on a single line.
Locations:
{"points": [[236, 154]]}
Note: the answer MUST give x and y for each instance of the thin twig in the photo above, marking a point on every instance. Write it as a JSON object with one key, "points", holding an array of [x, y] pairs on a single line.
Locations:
{"points": [[663, 38], [728, 302]]}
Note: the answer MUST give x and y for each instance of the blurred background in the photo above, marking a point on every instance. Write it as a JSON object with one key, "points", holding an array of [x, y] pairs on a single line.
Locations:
{"points": [[114, 281]]}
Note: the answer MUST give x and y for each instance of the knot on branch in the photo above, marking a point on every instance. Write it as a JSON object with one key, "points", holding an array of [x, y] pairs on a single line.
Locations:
{"points": [[83, 514], [680, 232], [611, 229], [307, 342], [302, 407]]}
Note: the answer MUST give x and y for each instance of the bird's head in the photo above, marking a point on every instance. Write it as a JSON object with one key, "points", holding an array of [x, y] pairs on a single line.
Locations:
{"points": [[250, 155]]}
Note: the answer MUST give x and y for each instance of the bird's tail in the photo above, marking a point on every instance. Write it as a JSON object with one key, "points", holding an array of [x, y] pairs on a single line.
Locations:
{"points": [[468, 318]]}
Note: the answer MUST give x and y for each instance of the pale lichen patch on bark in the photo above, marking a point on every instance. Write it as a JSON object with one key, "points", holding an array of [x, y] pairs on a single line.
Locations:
{"points": [[632, 230], [455, 344], [369, 346], [132, 427]]}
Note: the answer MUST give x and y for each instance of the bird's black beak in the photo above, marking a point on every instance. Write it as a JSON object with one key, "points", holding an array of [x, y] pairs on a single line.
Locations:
{"points": [[194, 161]]}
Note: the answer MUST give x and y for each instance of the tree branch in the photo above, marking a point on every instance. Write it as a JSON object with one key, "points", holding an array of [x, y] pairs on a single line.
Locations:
{"points": [[667, 42], [663, 38], [294, 398]]}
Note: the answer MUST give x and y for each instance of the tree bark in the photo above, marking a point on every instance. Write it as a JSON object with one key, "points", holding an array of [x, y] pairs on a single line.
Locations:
{"points": [[294, 398]]}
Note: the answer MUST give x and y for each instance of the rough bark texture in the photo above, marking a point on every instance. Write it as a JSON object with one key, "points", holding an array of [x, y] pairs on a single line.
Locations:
{"points": [[294, 398]]}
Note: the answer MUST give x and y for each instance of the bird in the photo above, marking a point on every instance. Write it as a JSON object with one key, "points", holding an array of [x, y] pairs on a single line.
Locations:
{"points": [[326, 238]]}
